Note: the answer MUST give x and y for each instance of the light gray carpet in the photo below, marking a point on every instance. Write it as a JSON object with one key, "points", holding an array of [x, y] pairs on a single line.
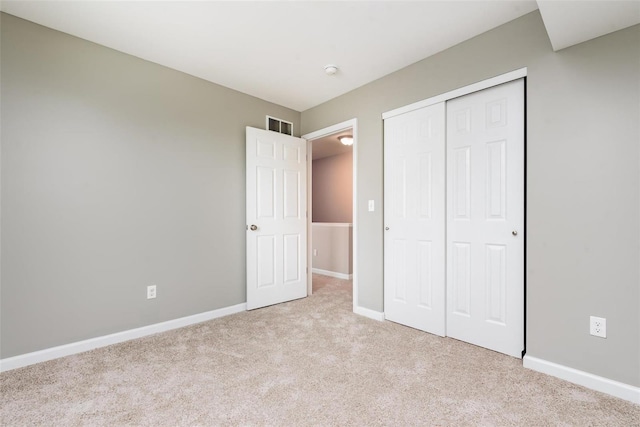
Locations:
{"points": [[307, 362]]}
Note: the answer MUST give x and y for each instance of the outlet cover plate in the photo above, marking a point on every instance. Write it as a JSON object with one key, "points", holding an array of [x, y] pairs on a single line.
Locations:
{"points": [[151, 292], [598, 326]]}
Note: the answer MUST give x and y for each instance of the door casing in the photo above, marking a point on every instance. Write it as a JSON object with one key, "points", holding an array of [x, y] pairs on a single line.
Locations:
{"points": [[310, 137]]}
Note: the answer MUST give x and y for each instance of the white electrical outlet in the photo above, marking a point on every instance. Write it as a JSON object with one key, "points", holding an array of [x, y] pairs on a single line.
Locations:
{"points": [[151, 292], [598, 326], [371, 206]]}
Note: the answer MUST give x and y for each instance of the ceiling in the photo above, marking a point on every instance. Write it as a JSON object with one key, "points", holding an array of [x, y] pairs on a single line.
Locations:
{"points": [[277, 50], [330, 145], [572, 22]]}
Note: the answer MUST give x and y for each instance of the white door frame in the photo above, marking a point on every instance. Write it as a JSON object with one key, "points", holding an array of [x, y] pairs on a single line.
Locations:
{"points": [[310, 137]]}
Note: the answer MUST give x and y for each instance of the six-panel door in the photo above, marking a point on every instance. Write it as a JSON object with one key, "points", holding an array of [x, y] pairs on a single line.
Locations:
{"points": [[414, 265], [276, 218], [485, 218]]}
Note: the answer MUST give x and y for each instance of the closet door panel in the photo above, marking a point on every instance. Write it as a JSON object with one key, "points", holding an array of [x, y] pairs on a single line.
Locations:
{"points": [[414, 242], [485, 218]]}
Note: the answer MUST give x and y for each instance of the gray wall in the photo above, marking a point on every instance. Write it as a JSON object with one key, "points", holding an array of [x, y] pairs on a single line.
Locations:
{"points": [[117, 173], [583, 183]]}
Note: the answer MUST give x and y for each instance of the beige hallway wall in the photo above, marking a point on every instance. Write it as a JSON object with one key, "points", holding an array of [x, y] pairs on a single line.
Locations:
{"points": [[332, 247], [332, 186]]}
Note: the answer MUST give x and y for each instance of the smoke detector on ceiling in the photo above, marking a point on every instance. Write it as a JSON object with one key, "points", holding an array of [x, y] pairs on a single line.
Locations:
{"points": [[330, 69]]}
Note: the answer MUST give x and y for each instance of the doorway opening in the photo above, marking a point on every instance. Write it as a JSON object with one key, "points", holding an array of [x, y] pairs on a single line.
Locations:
{"points": [[332, 207]]}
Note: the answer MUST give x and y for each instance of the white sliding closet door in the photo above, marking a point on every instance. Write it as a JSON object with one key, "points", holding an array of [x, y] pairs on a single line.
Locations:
{"points": [[485, 218], [414, 240]]}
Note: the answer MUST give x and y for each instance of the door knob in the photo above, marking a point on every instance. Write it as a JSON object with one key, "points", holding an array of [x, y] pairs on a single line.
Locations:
{"points": [[253, 227], [514, 232], [386, 228]]}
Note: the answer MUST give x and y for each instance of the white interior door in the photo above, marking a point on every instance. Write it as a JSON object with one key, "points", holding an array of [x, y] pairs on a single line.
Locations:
{"points": [[485, 218], [276, 218], [414, 215]]}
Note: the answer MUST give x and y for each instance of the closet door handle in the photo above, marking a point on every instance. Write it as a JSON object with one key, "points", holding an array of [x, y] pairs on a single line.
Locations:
{"points": [[386, 228], [253, 227], [514, 232]]}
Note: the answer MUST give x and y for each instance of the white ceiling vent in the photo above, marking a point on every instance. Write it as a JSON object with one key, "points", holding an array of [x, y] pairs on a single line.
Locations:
{"points": [[280, 126]]}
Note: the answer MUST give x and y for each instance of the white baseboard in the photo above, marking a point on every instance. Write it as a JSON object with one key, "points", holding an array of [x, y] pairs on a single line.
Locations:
{"points": [[335, 274], [366, 312], [103, 341], [594, 382]]}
